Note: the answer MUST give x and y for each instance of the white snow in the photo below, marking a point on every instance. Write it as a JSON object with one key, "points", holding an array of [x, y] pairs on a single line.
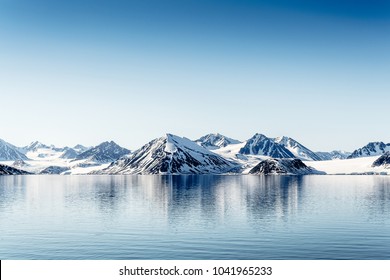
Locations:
{"points": [[349, 166]]}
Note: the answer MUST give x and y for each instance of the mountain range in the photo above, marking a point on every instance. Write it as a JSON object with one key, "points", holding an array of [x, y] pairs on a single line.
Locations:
{"points": [[171, 155], [210, 154], [371, 149]]}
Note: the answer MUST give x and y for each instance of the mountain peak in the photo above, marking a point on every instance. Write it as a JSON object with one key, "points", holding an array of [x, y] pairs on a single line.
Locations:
{"points": [[35, 145], [296, 148], [107, 151], [371, 149], [10, 152], [260, 144], [213, 141]]}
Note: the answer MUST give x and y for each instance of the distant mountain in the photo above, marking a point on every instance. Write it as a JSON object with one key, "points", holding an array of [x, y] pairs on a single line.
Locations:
{"points": [[171, 155], [103, 153], [383, 161], [69, 153], [283, 167], [10, 152], [8, 170], [215, 141], [19, 163], [371, 149], [333, 155], [80, 148], [34, 146], [297, 149], [260, 144]]}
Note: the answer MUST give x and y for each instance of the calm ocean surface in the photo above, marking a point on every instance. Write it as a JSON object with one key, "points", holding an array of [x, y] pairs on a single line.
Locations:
{"points": [[194, 217]]}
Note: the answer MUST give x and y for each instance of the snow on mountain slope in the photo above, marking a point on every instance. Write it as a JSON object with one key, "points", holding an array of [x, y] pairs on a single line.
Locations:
{"points": [[214, 141], [260, 144], [333, 155], [283, 167], [232, 153], [44, 153], [383, 161], [69, 153], [54, 170], [103, 153], [80, 148], [34, 146], [371, 149], [171, 155], [10, 152], [349, 166], [8, 170], [296, 148]]}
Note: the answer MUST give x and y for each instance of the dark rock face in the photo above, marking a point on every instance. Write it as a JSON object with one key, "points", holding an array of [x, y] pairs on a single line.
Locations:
{"points": [[383, 160], [105, 152], [8, 170], [371, 149], [283, 166], [260, 144], [54, 170]]}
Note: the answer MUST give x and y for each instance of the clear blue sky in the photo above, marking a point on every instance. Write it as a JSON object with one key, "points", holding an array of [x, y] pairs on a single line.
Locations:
{"points": [[87, 71]]}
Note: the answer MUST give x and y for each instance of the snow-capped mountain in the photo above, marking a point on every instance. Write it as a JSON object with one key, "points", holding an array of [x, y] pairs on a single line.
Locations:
{"points": [[296, 148], [105, 152], [80, 148], [333, 155], [171, 155], [283, 166], [260, 144], [8, 170], [383, 161], [10, 152], [215, 141], [34, 146], [371, 149], [39, 151], [69, 153]]}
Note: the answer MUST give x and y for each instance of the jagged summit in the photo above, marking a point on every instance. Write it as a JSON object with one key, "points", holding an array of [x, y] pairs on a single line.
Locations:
{"points": [[371, 149], [107, 151], [214, 141], [80, 148], [10, 152], [34, 146], [260, 144], [296, 148], [171, 154]]}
